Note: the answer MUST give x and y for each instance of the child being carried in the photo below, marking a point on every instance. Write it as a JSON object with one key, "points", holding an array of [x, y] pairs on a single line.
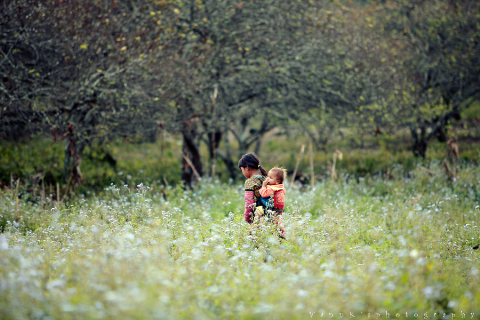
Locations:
{"points": [[273, 195]]}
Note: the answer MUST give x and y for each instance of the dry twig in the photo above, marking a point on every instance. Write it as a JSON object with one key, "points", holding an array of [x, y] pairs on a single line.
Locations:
{"points": [[300, 155], [430, 172], [339, 155], [449, 171]]}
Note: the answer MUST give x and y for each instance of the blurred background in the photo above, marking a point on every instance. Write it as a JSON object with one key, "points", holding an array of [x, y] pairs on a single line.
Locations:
{"points": [[165, 92]]}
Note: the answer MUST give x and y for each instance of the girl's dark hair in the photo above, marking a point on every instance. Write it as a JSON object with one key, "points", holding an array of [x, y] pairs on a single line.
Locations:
{"points": [[251, 160]]}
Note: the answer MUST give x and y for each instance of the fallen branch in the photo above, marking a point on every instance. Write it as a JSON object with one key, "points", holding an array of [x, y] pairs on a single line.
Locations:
{"points": [[449, 171], [191, 166], [430, 172]]}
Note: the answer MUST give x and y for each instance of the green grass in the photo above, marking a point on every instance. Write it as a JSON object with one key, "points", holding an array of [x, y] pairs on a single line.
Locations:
{"points": [[152, 163], [372, 246]]}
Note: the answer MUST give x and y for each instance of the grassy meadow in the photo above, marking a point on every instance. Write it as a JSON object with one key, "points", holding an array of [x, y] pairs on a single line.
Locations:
{"points": [[370, 248], [105, 105]]}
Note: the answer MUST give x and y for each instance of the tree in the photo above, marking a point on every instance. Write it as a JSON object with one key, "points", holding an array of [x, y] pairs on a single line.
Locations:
{"points": [[440, 65], [271, 62], [91, 67]]}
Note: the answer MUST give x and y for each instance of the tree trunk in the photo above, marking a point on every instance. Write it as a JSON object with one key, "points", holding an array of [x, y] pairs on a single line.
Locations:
{"points": [[72, 172], [190, 149], [227, 159], [231, 167], [213, 142], [258, 146], [66, 163], [420, 143], [419, 146]]}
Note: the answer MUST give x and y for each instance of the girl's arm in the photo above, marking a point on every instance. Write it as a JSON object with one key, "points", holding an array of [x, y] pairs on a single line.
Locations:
{"points": [[251, 185], [249, 205]]}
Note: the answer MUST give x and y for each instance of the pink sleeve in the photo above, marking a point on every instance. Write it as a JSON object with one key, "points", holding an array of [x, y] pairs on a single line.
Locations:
{"points": [[266, 192], [249, 204]]}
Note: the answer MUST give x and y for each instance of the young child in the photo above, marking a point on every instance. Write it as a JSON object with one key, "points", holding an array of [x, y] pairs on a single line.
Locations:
{"points": [[273, 195]]}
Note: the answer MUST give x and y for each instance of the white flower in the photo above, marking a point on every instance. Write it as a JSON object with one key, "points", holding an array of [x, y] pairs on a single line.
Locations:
{"points": [[373, 267], [213, 289], [428, 291], [390, 286], [3, 243], [55, 283], [414, 253], [264, 308], [299, 306], [302, 293], [111, 296], [432, 292], [94, 229], [68, 307], [129, 236]]}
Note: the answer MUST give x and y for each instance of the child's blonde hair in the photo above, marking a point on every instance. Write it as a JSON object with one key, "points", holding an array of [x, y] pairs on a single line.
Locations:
{"points": [[281, 173]]}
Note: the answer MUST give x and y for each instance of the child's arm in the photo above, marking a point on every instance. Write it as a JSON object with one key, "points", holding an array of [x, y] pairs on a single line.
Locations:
{"points": [[266, 191]]}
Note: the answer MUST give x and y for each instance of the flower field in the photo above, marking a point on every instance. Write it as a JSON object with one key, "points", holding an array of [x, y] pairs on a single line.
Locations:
{"points": [[368, 248]]}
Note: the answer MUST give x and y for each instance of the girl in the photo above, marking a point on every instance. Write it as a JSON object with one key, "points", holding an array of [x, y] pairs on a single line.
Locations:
{"points": [[256, 175]]}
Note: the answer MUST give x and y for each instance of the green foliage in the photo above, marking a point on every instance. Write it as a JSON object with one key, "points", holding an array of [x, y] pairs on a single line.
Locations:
{"points": [[233, 74], [436, 76], [158, 164], [472, 113]]}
